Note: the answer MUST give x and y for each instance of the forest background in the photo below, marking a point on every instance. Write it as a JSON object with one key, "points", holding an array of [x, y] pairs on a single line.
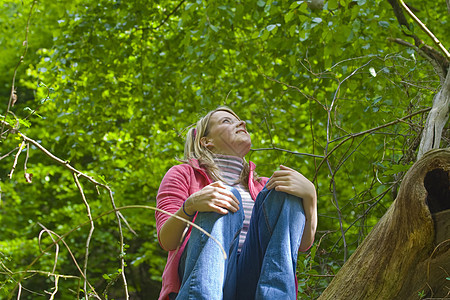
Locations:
{"points": [[97, 96]]}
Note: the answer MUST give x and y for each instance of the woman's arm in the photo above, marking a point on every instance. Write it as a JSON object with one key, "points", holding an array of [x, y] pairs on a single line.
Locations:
{"points": [[292, 182], [171, 232], [310, 207], [174, 190]]}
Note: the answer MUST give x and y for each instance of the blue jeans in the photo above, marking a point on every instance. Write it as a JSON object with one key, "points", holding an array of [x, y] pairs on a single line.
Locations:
{"points": [[265, 267]]}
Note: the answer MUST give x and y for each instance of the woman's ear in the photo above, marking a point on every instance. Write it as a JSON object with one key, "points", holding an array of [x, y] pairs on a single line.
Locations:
{"points": [[206, 142]]}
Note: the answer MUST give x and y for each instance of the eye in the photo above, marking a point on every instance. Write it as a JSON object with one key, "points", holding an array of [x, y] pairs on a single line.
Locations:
{"points": [[226, 121]]}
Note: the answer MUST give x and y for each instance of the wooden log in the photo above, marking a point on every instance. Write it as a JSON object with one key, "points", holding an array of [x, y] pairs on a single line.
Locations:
{"points": [[407, 253]]}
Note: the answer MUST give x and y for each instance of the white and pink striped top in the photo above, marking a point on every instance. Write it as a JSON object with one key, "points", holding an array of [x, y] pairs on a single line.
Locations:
{"points": [[231, 168]]}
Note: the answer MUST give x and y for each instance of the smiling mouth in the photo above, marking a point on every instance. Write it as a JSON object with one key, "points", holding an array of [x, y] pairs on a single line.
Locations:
{"points": [[241, 130]]}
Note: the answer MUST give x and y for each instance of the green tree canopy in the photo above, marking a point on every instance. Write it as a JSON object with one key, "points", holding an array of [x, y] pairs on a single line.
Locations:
{"points": [[109, 88]]}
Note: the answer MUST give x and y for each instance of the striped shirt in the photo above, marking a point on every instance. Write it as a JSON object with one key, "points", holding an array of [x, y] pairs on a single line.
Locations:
{"points": [[231, 168]]}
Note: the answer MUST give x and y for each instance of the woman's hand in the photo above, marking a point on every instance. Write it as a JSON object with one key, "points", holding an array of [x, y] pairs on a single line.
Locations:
{"points": [[214, 197], [292, 182]]}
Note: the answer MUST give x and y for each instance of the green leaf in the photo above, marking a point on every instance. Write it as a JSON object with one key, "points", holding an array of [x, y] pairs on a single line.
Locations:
{"points": [[406, 29], [214, 28], [288, 16], [265, 35], [384, 24], [295, 4], [394, 169], [271, 27], [25, 123], [333, 4], [188, 6]]}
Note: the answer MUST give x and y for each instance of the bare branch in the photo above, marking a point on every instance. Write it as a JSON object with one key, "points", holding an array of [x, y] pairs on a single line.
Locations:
{"points": [[52, 296], [8, 154], [116, 211], [63, 236], [77, 172], [437, 67], [22, 145], [336, 204], [288, 151], [441, 62], [166, 18], [425, 29], [20, 291], [91, 231], [56, 247], [354, 135], [25, 43], [295, 88], [55, 242]]}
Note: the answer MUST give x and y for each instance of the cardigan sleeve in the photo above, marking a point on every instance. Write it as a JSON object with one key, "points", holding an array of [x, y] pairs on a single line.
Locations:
{"points": [[173, 191]]}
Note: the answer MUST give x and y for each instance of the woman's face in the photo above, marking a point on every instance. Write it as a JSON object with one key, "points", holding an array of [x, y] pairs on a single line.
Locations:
{"points": [[227, 135]]}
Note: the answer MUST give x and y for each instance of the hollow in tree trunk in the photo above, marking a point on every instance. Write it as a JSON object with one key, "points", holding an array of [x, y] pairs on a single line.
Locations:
{"points": [[407, 254]]}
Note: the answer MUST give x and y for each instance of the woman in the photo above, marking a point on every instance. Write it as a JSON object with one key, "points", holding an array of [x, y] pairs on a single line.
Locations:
{"points": [[219, 190]]}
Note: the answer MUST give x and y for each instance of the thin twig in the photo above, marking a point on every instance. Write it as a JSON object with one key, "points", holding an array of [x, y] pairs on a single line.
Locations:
{"points": [[270, 136], [295, 88], [122, 250], [28, 176], [25, 43], [344, 159], [41, 102], [354, 135], [56, 247], [364, 214], [22, 145], [338, 89], [61, 239], [126, 223], [52, 296], [166, 18], [20, 291], [425, 29], [75, 171], [91, 231], [48, 274], [115, 210], [328, 134], [320, 275], [9, 153], [288, 151], [336, 203]]}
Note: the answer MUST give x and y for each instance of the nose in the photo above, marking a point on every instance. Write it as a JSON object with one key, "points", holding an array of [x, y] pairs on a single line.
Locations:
{"points": [[241, 123]]}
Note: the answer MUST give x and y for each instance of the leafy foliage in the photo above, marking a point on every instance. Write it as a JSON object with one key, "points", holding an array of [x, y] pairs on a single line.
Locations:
{"points": [[110, 86]]}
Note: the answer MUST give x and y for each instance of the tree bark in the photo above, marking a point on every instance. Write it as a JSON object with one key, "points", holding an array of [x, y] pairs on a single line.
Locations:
{"points": [[408, 251], [436, 120]]}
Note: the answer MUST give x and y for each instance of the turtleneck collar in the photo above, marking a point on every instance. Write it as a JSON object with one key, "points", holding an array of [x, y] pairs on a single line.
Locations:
{"points": [[230, 167]]}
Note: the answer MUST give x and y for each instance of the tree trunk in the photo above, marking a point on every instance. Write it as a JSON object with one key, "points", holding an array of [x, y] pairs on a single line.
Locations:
{"points": [[436, 120], [408, 252]]}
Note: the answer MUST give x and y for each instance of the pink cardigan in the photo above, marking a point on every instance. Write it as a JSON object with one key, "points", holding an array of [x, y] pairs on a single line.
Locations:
{"points": [[177, 185]]}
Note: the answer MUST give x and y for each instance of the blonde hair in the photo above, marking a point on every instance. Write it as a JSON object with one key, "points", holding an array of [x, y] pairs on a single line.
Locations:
{"points": [[194, 149]]}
